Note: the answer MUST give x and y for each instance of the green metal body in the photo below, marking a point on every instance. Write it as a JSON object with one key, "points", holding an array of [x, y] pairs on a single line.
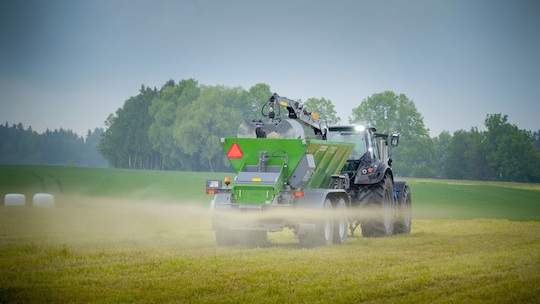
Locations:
{"points": [[256, 184]]}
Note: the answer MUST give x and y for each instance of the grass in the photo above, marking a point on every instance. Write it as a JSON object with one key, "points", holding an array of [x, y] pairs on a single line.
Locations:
{"points": [[168, 257], [431, 198], [449, 199], [118, 236], [118, 183]]}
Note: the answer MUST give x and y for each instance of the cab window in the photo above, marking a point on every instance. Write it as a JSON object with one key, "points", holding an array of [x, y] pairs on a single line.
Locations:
{"points": [[358, 138]]}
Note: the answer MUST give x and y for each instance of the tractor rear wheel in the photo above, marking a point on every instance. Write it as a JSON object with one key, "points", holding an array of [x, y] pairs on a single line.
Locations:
{"points": [[404, 216], [379, 199]]}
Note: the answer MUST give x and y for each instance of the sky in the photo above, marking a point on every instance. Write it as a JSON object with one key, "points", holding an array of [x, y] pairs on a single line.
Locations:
{"points": [[70, 64]]}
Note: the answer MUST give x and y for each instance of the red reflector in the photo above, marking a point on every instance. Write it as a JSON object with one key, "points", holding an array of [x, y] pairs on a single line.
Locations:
{"points": [[234, 151], [298, 193], [211, 191]]}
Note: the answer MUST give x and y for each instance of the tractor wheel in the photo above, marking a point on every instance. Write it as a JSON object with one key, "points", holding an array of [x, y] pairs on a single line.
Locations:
{"points": [[379, 199], [325, 235], [404, 216], [341, 222]]}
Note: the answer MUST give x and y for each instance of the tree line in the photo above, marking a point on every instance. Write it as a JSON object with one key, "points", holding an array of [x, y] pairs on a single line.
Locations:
{"points": [[20, 146], [178, 128]]}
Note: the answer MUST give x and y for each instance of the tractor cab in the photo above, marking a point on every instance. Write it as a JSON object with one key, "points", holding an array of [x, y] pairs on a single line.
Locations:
{"points": [[369, 156], [365, 150]]}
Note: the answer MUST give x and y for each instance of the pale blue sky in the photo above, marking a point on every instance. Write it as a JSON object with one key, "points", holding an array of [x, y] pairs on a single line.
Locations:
{"points": [[71, 63]]}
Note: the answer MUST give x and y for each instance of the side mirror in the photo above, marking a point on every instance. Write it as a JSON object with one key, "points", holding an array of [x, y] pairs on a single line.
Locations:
{"points": [[394, 141]]}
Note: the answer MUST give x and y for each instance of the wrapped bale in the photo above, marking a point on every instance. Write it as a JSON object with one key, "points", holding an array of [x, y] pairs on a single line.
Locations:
{"points": [[43, 200], [15, 199]]}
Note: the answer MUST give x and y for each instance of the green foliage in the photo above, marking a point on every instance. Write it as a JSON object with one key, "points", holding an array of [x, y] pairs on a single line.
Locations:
{"points": [[396, 113], [441, 144], [179, 126], [466, 157], [255, 97], [324, 108], [214, 114], [503, 152], [512, 153], [58, 147], [125, 143], [536, 138], [166, 109]]}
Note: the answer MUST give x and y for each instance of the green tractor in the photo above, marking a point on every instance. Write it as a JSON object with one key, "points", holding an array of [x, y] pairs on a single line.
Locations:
{"points": [[313, 185]]}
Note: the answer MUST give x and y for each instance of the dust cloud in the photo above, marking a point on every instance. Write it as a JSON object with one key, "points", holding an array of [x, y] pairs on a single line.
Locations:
{"points": [[105, 223], [89, 222]]}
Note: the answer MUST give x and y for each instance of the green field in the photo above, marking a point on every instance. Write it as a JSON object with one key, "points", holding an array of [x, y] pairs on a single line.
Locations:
{"points": [[144, 236]]}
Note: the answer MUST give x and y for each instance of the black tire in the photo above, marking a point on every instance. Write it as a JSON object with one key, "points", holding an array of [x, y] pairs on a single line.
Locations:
{"points": [[404, 212], [325, 235], [341, 222], [379, 199]]}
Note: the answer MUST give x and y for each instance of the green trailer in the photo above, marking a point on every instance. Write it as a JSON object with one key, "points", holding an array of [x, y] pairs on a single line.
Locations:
{"points": [[275, 175], [309, 185]]}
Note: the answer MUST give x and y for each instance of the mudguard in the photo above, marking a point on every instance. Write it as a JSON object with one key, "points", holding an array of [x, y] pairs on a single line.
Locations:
{"points": [[373, 178], [314, 198], [399, 185], [221, 198]]}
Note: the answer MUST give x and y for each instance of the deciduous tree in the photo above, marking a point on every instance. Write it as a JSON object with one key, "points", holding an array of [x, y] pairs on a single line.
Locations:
{"points": [[216, 113], [170, 106], [387, 111], [324, 108]]}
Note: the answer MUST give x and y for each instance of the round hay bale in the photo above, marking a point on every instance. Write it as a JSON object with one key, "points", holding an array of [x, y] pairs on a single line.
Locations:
{"points": [[43, 200], [15, 199]]}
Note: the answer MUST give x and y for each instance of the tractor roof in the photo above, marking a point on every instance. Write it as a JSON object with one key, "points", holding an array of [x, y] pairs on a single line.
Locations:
{"points": [[350, 128]]}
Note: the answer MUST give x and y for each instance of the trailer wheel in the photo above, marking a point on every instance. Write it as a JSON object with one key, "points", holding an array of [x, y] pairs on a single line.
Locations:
{"points": [[404, 216], [341, 222], [380, 201], [325, 235]]}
